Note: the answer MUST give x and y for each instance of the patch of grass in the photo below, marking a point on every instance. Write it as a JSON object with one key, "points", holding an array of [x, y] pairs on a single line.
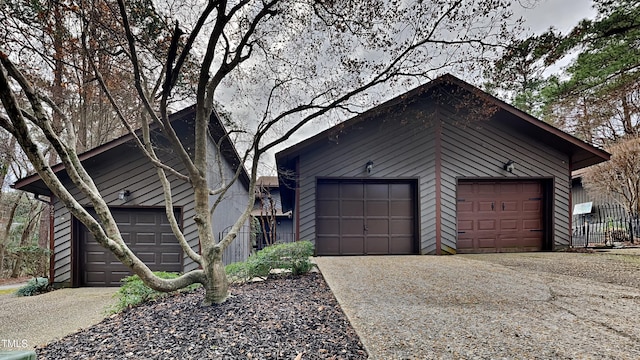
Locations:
{"points": [[292, 257], [134, 292], [35, 286], [7, 291]]}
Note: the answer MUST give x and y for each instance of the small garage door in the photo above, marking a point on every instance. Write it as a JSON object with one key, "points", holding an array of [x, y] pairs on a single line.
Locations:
{"points": [[502, 216], [365, 218], [147, 233]]}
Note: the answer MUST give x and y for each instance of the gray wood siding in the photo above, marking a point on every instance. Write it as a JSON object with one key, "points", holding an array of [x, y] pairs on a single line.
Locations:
{"points": [[230, 209], [127, 168], [398, 150], [479, 149]]}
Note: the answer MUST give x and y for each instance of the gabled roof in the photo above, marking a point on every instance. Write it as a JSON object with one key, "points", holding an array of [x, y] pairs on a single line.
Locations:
{"points": [[581, 154], [34, 184]]}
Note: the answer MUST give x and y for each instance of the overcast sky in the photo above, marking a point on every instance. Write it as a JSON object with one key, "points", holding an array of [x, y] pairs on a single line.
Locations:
{"points": [[563, 15]]}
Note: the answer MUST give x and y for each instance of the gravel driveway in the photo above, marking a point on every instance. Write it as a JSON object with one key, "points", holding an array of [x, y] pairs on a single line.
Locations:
{"points": [[496, 306], [35, 320]]}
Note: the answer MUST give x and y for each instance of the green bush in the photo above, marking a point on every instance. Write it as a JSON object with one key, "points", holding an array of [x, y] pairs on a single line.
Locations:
{"points": [[134, 292], [34, 286], [293, 257]]}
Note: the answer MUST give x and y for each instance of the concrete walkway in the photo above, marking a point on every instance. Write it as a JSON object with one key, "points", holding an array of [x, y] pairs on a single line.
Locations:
{"points": [[457, 307], [26, 322]]}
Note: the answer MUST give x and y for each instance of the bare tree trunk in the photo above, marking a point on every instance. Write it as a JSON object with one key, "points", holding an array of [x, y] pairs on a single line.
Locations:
{"points": [[25, 238], [6, 229], [45, 222], [216, 286]]}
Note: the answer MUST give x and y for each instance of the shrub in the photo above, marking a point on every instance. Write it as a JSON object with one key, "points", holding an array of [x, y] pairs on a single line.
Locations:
{"points": [[34, 286], [293, 257], [134, 292]]}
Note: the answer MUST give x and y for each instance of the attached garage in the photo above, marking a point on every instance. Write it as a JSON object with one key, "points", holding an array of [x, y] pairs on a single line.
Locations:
{"points": [[364, 217], [147, 233], [500, 216]]}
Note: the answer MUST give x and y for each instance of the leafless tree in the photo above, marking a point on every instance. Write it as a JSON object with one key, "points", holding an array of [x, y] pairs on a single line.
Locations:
{"points": [[283, 64], [618, 178]]}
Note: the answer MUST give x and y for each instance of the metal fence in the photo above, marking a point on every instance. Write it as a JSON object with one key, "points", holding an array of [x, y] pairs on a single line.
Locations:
{"points": [[605, 225]]}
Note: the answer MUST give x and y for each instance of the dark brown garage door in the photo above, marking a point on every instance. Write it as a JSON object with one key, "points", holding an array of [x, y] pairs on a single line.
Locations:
{"points": [[502, 216], [149, 236], [365, 218]]}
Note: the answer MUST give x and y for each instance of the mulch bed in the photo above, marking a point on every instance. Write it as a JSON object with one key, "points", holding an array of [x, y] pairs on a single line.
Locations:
{"points": [[284, 318]]}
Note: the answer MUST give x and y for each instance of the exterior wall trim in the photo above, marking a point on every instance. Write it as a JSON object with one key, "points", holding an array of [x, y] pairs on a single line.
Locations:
{"points": [[438, 181]]}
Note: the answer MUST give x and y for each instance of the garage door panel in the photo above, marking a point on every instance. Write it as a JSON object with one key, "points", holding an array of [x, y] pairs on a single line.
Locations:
{"points": [[465, 225], [377, 191], [509, 224], [171, 258], [402, 227], [329, 191], [145, 239], [510, 188], [369, 214], [402, 208], [328, 245], [151, 239], [532, 206], [518, 209], [351, 226], [402, 245], [352, 245], [509, 206], [168, 239], [485, 206], [328, 208], [487, 242], [487, 225], [485, 188], [532, 187], [147, 257], [328, 226], [465, 243], [145, 219], [401, 191], [378, 208], [122, 218], [351, 191], [465, 206], [377, 226], [352, 208], [377, 245]]}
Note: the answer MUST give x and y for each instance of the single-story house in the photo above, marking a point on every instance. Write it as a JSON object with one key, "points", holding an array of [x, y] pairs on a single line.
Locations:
{"points": [[130, 185], [274, 225], [442, 169]]}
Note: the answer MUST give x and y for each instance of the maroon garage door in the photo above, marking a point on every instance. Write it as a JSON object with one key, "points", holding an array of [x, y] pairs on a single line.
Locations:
{"points": [[500, 216], [149, 236], [365, 217]]}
